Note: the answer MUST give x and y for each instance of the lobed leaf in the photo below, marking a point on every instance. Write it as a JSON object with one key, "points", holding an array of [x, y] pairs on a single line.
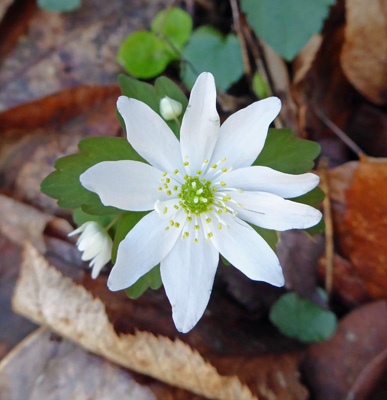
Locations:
{"points": [[286, 25], [302, 319]]}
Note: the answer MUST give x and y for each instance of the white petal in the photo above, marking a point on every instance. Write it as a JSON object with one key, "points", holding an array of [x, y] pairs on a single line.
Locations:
{"points": [[246, 250], [273, 212], [242, 136], [200, 126], [128, 185], [167, 208], [266, 179], [144, 247], [149, 135], [188, 274]]}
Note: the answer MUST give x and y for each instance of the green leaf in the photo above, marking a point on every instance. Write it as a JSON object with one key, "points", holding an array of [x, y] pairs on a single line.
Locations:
{"points": [[150, 280], [260, 87], [175, 24], [286, 25], [80, 217], [302, 319], [208, 50], [283, 152], [125, 224], [138, 90], [144, 55], [59, 5], [64, 185]]}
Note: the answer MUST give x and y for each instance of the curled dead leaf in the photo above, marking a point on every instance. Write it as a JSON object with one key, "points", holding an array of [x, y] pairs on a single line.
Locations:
{"points": [[43, 295], [364, 53]]}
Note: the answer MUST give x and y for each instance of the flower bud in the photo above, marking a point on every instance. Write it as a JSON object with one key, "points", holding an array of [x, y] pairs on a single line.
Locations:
{"points": [[96, 245], [169, 108]]}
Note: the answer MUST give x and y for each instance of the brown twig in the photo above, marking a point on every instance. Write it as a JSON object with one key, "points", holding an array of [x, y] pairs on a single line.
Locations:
{"points": [[329, 245], [239, 32], [339, 133]]}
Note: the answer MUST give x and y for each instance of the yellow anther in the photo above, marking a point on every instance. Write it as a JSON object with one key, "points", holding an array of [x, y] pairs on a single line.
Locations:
{"points": [[177, 225], [165, 185], [175, 188], [228, 197], [225, 199], [225, 210], [165, 210], [220, 211], [189, 219], [198, 172], [219, 226], [224, 169], [186, 163], [208, 220], [205, 161], [239, 190], [223, 159], [197, 227], [169, 192], [167, 228], [203, 180], [159, 188], [214, 166], [171, 223], [186, 234], [167, 180], [176, 171], [196, 241], [223, 184], [214, 189], [176, 207], [210, 235], [165, 173]]}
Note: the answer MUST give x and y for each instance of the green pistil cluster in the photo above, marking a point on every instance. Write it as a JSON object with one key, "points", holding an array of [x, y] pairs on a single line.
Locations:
{"points": [[196, 195]]}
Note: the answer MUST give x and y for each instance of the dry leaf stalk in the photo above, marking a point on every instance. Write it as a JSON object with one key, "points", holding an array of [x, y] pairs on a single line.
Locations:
{"points": [[48, 298]]}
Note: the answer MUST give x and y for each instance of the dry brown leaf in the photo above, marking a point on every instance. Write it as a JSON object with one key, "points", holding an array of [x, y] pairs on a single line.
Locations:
{"points": [[46, 366], [363, 239], [364, 53], [20, 222], [45, 296], [64, 50], [303, 61]]}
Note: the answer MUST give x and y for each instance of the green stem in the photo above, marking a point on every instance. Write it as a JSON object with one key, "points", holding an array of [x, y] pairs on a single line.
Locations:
{"points": [[112, 222]]}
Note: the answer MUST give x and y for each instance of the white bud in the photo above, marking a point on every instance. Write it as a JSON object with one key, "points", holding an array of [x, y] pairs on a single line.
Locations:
{"points": [[169, 108], [96, 245]]}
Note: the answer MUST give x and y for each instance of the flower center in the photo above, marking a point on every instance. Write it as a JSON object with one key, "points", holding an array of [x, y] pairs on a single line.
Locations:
{"points": [[196, 195]]}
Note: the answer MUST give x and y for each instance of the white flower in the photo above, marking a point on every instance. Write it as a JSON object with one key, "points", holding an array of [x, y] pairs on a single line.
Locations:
{"points": [[169, 108], [201, 191], [96, 245]]}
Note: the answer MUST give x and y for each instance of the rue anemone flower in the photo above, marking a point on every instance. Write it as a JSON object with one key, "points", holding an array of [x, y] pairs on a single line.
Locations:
{"points": [[199, 191], [96, 245]]}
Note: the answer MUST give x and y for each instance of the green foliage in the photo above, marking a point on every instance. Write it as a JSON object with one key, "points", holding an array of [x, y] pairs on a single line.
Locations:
{"points": [[260, 87], [286, 25], [80, 217], [146, 54], [64, 185], [175, 25], [124, 225], [151, 95], [59, 5], [150, 280], [208, 50], [302, 319], [283, 152]]}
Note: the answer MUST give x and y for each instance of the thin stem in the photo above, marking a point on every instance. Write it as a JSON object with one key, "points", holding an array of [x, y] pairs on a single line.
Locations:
{"points": [[112, 222], [339, 133]]}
